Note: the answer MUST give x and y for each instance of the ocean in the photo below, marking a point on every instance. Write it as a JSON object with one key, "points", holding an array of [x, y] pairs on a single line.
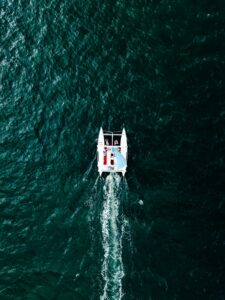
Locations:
{"points": [[153, 67]]}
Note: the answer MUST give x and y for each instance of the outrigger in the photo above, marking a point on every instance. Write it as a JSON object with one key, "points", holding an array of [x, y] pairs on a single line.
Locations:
{"points": [[112, 152]]}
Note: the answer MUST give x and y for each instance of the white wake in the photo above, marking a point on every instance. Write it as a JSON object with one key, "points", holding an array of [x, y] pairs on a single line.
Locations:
{"points": [[113, 227]]}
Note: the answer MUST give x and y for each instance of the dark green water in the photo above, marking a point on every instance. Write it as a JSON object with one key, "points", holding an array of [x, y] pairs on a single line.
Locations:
{"points": [[154, 67]]}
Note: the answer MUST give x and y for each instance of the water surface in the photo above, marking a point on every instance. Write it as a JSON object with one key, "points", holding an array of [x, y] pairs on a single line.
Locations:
{"points": [[154, 67]]}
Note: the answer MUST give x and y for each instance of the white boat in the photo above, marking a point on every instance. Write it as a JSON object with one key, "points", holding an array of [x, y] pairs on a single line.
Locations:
{"points": [[112, 152]]}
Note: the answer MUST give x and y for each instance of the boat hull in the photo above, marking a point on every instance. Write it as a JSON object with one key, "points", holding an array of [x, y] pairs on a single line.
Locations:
{"points": [[112, 152]]}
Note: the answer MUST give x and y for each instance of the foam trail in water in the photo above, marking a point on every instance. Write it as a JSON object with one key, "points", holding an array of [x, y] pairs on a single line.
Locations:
{"points": [[126, 229], [112, 235]]}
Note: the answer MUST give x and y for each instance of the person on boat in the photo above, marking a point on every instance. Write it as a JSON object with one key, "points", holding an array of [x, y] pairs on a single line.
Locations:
{"points": [[107, 142], [105, 156], [116, 142]]}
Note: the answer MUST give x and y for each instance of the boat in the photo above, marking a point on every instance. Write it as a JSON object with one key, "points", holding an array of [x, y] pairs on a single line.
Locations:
{"points": [[112, 152]]}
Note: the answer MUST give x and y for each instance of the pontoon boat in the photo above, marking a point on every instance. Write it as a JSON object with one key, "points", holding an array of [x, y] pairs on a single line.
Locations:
{"points": [[112, 152]]}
